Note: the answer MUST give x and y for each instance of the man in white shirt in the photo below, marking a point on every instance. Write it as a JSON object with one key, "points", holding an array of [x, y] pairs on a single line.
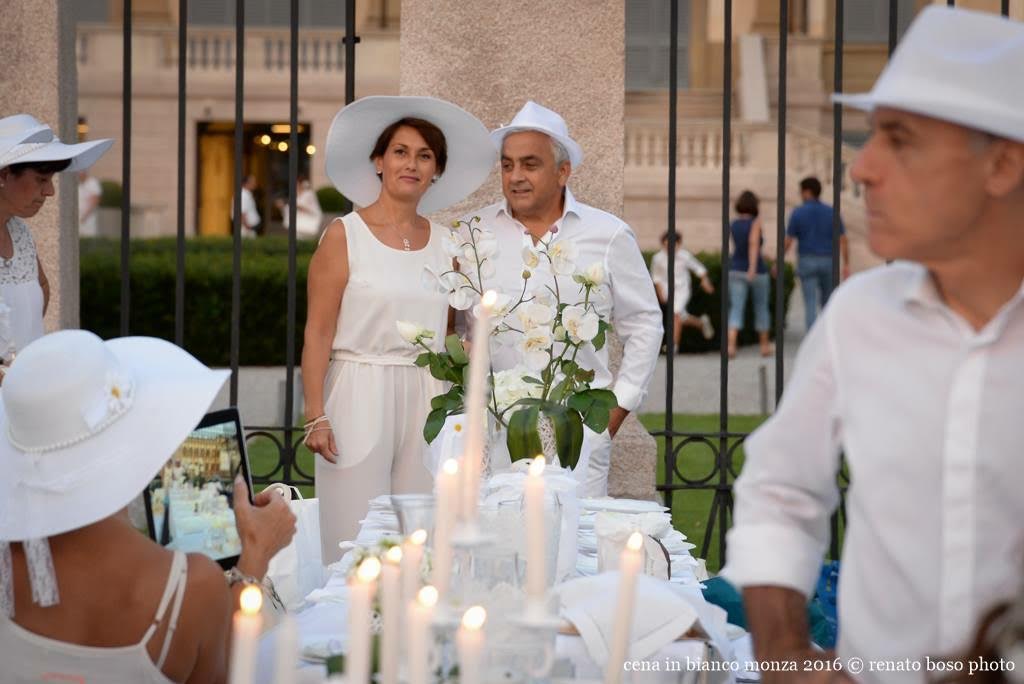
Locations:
{"points": [[537, 158], [250, 214], [89, 192], [916, 371]]}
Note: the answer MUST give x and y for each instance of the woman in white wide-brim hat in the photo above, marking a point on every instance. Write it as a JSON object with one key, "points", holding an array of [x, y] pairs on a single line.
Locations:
{"points": [[27, 165], [85, 425], [366, 402]]}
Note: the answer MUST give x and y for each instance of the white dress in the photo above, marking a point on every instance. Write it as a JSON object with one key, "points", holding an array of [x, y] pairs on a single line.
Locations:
{"points": [[20, 291], [376, 398]]}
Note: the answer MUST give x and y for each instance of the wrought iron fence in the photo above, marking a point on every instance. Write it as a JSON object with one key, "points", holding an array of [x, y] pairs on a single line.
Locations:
{"points": [[723, 443]]}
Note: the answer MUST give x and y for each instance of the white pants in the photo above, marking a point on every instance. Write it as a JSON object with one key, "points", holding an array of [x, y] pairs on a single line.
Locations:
{"points": [[595, 461]]}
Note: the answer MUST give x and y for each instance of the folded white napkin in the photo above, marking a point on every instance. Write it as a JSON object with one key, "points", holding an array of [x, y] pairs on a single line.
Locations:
{"points": [[660, 615]]}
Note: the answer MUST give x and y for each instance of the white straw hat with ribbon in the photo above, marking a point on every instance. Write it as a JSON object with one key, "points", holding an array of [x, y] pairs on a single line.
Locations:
{"points": [[956, 65], [39, 144], [355, 130], [86, 424], [535, 117]]}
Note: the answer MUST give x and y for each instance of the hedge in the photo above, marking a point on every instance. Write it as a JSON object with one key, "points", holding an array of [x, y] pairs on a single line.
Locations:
{"points": [[693, 341], [264, 281]]}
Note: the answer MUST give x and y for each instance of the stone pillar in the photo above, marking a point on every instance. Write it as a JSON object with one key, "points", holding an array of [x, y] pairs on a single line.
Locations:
{"points": [[37, 51], [490, 58]]}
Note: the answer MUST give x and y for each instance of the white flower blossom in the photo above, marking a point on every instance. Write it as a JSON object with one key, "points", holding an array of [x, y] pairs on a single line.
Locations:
{"points": [[563, 257], [486, 245], [412, 332], [452, 243], [531, 257], [462, 297], [509, 387], [487, 268], [594, 274], [118, 390], [534, 347], [580, 324], [534, 315]]}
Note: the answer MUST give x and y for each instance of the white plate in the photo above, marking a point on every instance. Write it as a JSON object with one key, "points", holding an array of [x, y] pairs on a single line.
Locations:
{"points": [[622, 505]]}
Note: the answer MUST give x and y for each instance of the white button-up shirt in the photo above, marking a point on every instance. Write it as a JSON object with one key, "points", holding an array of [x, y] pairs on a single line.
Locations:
{"points": [[631, 305], [929, 414]]}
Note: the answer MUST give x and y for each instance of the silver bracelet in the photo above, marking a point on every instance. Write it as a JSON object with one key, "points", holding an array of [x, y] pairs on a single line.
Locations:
{"points": [[235, 576]]}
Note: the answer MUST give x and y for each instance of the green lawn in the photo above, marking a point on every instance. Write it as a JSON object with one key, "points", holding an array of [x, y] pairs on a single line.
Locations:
{"points": [[690, 508]]}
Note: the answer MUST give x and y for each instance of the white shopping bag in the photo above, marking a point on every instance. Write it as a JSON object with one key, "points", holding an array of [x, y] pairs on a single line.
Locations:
{"points": [[297, 569]]}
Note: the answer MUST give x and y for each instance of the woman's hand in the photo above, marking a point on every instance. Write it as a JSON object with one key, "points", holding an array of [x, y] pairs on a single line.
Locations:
{"points": [[264, 527], [320, 440]]}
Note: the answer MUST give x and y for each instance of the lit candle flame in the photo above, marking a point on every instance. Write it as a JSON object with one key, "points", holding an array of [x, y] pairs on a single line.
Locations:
{"points": [[636, 542], [450, 467], [474, 618], [419, 537], [537, 466], [368, 570], [427, 596], [394, 555], [489, 299], [251, 600]]}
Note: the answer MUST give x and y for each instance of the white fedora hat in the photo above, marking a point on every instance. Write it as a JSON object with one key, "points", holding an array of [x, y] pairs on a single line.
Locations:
{"points": [[955, 65], [355, 130], [534, 117], [86, 424], [47, 148]]}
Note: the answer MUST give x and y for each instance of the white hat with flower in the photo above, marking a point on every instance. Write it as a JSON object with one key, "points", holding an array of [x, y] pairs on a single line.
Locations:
{"points": [[86, 424]]}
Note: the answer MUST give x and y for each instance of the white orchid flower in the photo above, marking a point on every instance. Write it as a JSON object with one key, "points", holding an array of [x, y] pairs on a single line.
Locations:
{"points": [[487, 269], [430, 280], [462, 297], [486, 245], [452, 243], [535, 315], [534, 347], [594, 274], [544, 296], [413, 333], [531, 257], [563, 257], [502, 303], [580, 324]]}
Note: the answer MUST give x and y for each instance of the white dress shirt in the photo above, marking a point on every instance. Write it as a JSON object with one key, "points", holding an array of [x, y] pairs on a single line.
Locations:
{"points": [[929, 413], [684, 263], [631, 306]]}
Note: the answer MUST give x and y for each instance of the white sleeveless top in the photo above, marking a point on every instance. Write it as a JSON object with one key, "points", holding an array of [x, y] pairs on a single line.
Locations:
{"points": [[20, 290], [30, 657], [386, 285]]}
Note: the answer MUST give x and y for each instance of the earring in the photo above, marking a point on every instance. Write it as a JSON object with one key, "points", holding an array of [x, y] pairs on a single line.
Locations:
{"points": [[434, 179]]}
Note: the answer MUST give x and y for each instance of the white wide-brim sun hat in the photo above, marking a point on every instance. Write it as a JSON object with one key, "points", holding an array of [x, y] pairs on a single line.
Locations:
{"points": [[355, 130], [85, 425], [955, 65], [46, 147]]}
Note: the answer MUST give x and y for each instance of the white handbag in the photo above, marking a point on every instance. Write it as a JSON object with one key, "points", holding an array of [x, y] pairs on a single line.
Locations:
{"points": [[297, 569]]}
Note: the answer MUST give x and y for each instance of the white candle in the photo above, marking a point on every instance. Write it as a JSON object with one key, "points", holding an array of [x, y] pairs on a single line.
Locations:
{"points": [[361, 590], [412, 559], [421, 614], [536, 562], [286, 659], [391, 614], [476, 409], [445, 507], [469, 642], [629, 565], [245, 633]]}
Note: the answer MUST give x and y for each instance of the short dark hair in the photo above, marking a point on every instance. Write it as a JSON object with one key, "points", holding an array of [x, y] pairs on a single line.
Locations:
{"points": [[432, 135], [664, 237], [42, 167], [747, 203], [811, 185]]}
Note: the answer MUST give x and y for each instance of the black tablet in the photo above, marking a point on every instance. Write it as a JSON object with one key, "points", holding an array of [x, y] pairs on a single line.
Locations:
{"points": [[190, 503]]}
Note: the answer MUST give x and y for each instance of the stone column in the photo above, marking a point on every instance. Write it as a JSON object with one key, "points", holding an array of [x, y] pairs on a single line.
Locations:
{"points": [[490, 58], [38, 77]]}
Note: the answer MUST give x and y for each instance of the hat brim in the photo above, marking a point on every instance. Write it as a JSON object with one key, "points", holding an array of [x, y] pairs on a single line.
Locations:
{"points": [[82, 155], [570, 145], [65, 489], [355, 130], [863, 101]]}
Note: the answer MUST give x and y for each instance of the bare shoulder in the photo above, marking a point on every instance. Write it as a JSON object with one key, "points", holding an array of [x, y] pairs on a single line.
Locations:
{"points": [[206, 581]]}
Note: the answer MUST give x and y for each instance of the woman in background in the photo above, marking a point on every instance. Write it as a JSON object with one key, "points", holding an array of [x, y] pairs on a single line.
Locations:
{"points": [[747, 272]]}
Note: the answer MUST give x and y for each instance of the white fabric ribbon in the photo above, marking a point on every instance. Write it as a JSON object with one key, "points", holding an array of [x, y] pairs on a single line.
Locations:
{"points": [[41, 576]]}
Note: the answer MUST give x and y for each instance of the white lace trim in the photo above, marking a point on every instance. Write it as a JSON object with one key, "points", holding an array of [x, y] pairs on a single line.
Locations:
{"points": [[6, 581], [41, 576], [23, 266]]}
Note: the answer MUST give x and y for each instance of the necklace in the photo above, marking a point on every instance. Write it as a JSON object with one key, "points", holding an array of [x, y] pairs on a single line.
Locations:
{"points": [[406, 245]]}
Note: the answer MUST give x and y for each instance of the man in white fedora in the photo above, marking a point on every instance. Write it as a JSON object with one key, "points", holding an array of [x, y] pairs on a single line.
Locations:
{"points": [[915, 371], [537, 158]]}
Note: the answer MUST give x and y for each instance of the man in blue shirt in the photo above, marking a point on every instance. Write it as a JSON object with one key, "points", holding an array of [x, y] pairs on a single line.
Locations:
{"points": [[811, 226]]}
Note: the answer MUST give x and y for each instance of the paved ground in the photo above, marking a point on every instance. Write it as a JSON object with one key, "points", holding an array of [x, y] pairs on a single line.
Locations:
{"points": [[751, 379]]}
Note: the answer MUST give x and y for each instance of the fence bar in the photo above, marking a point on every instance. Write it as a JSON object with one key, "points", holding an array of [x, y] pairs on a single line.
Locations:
{"points": [[893, 24], [780, 194], [722, 497], [1004, 8], [350, 41], [179, 278], [670, 341], [236, 272], [288, 453], [837, 188], [126, 167]]}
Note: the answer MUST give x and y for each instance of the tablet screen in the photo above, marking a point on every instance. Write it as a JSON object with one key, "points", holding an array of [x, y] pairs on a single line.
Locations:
{"points": [[189, 504]]}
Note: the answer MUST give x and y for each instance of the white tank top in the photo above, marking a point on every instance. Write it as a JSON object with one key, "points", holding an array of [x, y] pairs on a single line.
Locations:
{"points": [[20, 290], [29, 657], [386, 285]]}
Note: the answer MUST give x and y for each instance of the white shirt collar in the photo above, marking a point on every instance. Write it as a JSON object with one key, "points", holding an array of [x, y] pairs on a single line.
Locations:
{"points": [[570, 205]]}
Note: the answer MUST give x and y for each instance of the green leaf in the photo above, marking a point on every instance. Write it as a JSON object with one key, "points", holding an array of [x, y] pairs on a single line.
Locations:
{"points": [[458, 353], [559, 390], [584, 375], [569, 367], [523, 440], [423, 359], [438, 367], [568, 436], [599, 340], [594, 406], [435, 421], [531, 380]]}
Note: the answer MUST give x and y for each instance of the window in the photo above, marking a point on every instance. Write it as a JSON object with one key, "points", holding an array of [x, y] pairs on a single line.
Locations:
{"points": [[647, 44]]}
